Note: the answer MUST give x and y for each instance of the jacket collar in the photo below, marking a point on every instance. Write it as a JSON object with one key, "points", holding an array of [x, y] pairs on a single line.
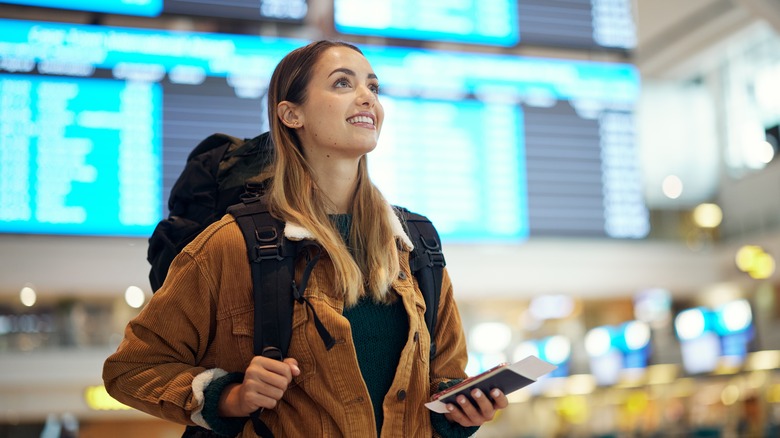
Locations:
{"points": [[294, 231]]}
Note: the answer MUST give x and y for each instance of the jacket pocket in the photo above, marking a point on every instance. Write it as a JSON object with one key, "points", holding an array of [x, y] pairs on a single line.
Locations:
{"points": [[242, 329], [299, 345], [422, 337]]}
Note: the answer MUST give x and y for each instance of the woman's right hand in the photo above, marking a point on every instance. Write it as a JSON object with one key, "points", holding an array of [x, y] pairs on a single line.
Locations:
{"points": [[265, 381]]}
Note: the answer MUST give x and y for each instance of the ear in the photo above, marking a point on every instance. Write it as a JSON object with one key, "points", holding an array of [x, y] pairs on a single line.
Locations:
{"points": [[289, 114]]}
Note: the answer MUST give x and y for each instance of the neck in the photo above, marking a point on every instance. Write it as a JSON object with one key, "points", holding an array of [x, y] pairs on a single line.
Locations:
{"points": [[337, 180]]}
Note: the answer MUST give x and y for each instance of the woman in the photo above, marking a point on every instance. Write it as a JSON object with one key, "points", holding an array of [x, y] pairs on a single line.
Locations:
{"points": [[187, 357]]}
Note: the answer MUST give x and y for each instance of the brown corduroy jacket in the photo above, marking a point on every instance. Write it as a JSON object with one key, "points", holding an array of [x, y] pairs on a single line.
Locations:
{"points": [[199, 326]]}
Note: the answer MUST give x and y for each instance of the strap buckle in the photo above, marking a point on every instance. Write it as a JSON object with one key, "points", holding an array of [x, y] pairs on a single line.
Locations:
{"points": [[268, 245], [435, 258], [433, 253]]}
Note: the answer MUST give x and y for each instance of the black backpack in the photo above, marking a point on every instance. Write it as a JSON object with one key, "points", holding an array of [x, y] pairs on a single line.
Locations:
{"points": [[214, 177], [221, 176]]}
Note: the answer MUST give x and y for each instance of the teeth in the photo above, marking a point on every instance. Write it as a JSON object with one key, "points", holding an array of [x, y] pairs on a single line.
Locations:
{"points": [[360, 119]]}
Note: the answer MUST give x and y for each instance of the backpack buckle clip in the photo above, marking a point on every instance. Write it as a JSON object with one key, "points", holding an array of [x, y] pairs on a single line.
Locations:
{"points": [[433, 253], [435, 257], [266, 252], [268, 246]]}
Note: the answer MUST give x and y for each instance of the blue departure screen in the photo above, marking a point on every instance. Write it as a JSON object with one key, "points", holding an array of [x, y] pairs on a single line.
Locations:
{"points": [[572, 23], [469, 21], [147, 8], [461, 161], [274, 10], [96, 124], [79, 156]]}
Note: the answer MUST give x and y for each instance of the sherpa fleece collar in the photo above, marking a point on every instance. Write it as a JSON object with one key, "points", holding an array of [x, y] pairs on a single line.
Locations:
{"points": [[297, 232]]}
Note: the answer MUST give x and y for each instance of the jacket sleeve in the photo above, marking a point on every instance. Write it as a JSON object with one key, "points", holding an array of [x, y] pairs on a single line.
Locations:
{"points": [[451, 355], [156, 367], [449, 365]]}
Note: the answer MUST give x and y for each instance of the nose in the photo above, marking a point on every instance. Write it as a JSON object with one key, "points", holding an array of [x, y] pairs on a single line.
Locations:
{"points": [[366, 97]]}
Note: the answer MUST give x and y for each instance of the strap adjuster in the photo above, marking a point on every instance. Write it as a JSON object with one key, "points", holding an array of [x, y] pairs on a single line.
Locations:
{"points": [[268, 245], [267, 252], [433, 256]]}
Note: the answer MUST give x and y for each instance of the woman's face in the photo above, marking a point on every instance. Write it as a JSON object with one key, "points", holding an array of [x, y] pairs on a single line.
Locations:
{"points": [[342, 116]]}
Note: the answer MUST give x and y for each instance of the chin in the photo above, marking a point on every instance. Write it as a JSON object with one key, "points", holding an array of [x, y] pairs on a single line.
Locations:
{"points": [[365, 150], [371, 146], [364, 146]]}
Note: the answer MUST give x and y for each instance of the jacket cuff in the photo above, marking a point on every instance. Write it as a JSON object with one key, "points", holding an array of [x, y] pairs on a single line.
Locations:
{"points": [[228, 426], [199, 384], [446, 428], [207, 389]]}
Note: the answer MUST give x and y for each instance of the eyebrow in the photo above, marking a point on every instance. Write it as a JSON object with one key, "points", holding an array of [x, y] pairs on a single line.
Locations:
{"points": [[349, 72]]}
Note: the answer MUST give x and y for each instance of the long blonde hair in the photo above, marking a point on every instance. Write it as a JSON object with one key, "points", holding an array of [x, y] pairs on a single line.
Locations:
{"points": [[293, 195]]}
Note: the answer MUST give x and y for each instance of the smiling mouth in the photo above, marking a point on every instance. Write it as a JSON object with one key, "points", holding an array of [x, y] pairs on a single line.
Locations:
{"points": [[360, 120]]}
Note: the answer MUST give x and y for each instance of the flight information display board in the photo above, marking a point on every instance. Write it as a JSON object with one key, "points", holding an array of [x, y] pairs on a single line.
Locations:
{"points": [[146, 8], [461, 161], [492, 22], [564, 23], [277, 10], [490, 147], [284, 10], [79, 155]]}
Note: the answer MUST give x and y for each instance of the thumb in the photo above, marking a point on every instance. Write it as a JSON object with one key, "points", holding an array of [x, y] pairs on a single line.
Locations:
{"points": [[293, 366]]}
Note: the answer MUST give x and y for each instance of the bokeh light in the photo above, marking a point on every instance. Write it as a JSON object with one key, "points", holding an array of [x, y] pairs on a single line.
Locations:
{"points": [[28, 296], [707, 215], [135, 297]]}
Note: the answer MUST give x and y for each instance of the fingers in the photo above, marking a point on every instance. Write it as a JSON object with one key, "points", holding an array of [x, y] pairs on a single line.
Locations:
{"points": [[293, 366], [270, 371], [499, 399], [466, 413], [484, 409], [265, 381], [479, 413], [255, 400], [263, 388]]}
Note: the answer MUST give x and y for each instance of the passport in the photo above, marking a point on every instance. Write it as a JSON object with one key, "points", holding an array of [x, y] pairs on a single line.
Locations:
{"points": [[506, 377]]}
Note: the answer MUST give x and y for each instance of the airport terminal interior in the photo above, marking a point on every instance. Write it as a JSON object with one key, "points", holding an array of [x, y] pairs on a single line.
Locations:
{"points": [[603, 175]]}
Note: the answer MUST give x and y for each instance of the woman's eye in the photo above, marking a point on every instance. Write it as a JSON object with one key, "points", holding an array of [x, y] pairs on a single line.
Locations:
{"points": [[342, 83], [374, 88]]}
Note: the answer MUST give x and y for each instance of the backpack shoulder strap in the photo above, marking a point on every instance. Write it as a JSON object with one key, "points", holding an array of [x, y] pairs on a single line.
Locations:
{"points": [[427, 264], [272, 260]]}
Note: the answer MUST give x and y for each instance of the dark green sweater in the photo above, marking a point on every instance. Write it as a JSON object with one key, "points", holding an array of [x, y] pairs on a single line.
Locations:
{"points": [[379, 332]]}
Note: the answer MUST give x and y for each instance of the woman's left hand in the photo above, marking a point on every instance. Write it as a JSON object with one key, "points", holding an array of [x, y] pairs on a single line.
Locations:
{"points": [[469, 414]]}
